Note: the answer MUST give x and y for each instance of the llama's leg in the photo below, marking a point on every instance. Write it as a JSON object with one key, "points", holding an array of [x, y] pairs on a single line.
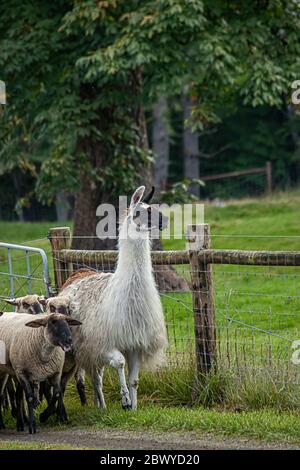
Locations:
{"points": [[97, 381], [80, 384], [133, 378], [116, 360]]}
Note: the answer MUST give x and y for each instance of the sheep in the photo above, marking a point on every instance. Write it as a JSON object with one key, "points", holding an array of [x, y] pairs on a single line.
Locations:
{"points": [[121, 312], [63, 305], [32, 303], [34, 355]]}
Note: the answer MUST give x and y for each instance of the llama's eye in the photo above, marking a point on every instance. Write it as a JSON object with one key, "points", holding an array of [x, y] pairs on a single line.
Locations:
{"points": [[26, 305], [52, 309]]}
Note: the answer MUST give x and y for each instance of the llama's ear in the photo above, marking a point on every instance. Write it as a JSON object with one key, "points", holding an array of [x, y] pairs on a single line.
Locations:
{"points": [[137, 196]]}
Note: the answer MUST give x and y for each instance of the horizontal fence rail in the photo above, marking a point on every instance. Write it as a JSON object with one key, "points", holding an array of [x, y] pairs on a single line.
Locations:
{"points": [[266, 170], [239, 257]]}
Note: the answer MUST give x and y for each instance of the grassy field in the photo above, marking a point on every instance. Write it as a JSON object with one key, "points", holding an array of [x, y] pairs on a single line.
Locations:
{"points": [[257, 313], [251, 302], [20, 445]]}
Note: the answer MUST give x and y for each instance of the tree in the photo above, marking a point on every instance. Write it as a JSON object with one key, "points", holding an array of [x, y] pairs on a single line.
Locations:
{"points": [[78, 75], [160, 143], [190, 147]]}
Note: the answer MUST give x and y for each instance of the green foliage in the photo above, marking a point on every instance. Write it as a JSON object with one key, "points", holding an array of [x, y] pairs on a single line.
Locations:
{"points": [[78, 72], [178, 192]]}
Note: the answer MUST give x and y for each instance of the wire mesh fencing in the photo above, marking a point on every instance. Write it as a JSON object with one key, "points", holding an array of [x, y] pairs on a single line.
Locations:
{"points": [[232, 310], [238, 309]]}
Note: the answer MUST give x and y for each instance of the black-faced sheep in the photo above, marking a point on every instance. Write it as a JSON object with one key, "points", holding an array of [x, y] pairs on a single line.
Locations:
{"points": [[35, 352]]}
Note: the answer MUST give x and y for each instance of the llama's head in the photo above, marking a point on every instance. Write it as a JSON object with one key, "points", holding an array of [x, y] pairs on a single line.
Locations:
{"points": [[143, 217]]}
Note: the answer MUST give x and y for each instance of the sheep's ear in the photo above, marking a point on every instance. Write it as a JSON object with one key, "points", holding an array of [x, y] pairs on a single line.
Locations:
{"points": [[43, 300], [73, 322], [11, 301], [37, 323], [137, 196]]}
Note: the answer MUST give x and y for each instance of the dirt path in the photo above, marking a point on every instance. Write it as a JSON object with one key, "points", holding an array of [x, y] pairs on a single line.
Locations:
{"points": [[128, 440]]}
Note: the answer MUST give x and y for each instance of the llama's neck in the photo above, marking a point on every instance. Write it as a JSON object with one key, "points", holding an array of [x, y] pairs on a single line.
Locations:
{"points": [[134, 256]]}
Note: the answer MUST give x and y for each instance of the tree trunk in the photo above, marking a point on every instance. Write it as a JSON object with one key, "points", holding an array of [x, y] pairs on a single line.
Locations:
{"points": [[160, 143], [84, 237], [190, 148], [17, 182], [90, 196], [63, 208]]}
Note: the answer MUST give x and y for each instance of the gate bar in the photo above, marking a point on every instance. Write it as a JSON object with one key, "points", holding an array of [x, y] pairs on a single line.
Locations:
{"points": [[11, 246]]}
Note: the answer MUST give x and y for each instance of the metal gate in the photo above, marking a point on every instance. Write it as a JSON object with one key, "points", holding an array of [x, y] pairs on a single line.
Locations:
{"points": [[23, 270]]}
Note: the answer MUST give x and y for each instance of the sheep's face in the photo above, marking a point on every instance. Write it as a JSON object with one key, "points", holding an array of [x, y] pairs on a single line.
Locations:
{"points": [[145, 217], [57, 329], [60, 304], [32, 304]]}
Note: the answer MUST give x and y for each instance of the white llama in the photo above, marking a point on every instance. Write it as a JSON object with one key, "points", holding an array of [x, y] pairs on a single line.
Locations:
{"points": [[121, 313]]}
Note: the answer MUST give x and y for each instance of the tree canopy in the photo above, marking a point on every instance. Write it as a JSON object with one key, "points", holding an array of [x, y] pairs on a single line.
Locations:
{"points": [[79, 72]]}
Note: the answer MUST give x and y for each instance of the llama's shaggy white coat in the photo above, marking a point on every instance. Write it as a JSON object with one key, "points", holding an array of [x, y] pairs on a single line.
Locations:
{"points": [[121, 312]]}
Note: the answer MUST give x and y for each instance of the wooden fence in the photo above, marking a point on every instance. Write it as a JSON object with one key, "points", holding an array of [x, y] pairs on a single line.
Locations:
{"points": [[267, 170], [200, 258]]}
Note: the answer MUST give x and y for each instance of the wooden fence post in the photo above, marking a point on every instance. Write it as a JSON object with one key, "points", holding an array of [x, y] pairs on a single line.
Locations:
{"points": [[60, 238], [269, 177], [198, 237]]}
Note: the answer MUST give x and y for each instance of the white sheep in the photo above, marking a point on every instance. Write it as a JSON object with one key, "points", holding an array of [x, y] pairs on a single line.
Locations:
{"points": [[32, 304], [35, 352], [64, 305], [121, 313]]}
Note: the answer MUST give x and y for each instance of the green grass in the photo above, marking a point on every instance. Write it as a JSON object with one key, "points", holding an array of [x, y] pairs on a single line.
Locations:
{"points": [[265, 424], [254, 367], [19, 445]]}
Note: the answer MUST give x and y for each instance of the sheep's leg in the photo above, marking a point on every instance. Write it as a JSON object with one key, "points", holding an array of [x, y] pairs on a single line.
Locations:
{"points": [[116, 360], [133, 377], [20, 403], [2, 388], [56, 397], [15, 383], [61, 410], [97, 381], [30, 398], [79, 378], [36, 394], [45, 391], [12, 397]]}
